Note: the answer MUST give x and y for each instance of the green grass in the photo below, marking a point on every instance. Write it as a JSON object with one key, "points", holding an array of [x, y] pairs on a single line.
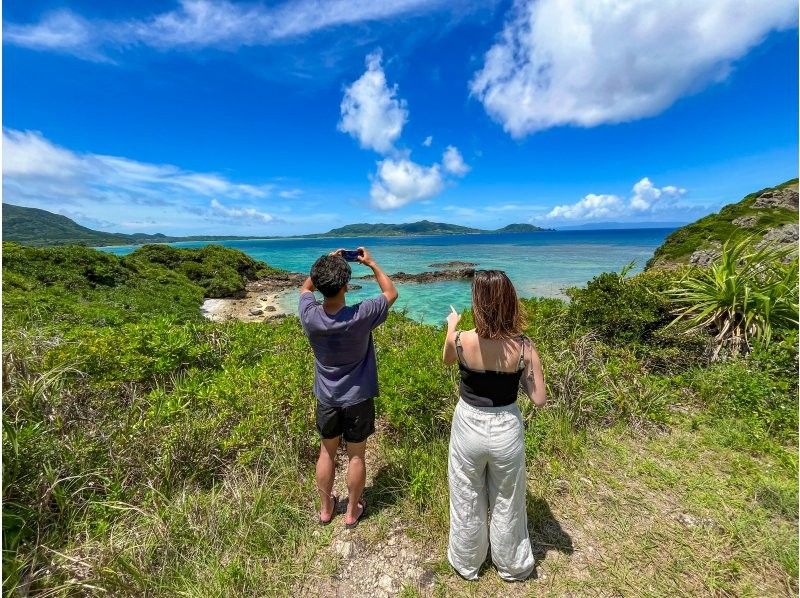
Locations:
{"points": [[150, 452]]}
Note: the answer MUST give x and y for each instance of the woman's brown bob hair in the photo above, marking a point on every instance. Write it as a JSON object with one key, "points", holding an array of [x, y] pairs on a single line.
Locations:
{"points": [[495, 307]]}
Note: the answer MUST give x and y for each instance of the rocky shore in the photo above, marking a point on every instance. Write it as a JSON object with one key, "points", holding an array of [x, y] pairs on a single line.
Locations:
{"points": [[261, 300]]}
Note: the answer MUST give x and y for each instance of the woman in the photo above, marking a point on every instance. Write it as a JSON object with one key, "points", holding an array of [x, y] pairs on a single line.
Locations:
{"points": [[486, 466]]}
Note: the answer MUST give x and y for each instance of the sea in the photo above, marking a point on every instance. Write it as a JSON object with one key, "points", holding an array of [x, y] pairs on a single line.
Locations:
{"points": [[539, 264]]}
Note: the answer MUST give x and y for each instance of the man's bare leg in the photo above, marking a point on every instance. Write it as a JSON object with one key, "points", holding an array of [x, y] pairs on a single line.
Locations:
{"points": [[356, 478], [326, 470]]}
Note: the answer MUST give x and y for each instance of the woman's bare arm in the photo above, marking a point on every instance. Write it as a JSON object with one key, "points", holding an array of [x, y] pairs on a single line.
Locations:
{"points": [[449, 352], [533, 377]]}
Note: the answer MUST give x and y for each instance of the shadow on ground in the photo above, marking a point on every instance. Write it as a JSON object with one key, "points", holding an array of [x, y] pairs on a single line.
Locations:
{"points": [[545, 530]]}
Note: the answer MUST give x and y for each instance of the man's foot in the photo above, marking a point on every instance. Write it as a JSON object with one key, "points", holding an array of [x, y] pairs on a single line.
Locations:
{"points": [[361, 508], [327, 515]]}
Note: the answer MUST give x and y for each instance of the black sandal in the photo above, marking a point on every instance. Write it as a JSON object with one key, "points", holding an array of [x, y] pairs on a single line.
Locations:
{"points": [[363, 504], [333, 512]]}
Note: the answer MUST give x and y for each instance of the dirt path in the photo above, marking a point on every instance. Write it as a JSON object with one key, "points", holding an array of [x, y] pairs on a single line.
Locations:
{"points": [[377, 558]]}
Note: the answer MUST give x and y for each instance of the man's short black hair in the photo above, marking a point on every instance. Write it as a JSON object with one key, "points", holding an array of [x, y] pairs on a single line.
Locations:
{"points": [[330, 273]]}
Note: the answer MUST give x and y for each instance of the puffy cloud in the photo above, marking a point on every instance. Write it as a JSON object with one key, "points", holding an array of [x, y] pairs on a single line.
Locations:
{"points": [[243, 213], [39, 173], [401, 181], [370, 111], [372, 114], [645, 198], [453, 162], [206, 23], [589, 62], [591, 207]]}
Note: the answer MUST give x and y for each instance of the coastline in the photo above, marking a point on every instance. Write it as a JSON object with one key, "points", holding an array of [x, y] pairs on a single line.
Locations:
{"points": [[264, 300]]}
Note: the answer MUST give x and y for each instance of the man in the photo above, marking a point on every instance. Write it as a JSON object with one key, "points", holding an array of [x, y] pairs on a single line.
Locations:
{"points": [[345, 372]]}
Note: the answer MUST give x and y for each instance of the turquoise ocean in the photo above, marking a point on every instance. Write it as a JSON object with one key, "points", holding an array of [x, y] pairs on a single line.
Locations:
{"points": [[541, 264]]}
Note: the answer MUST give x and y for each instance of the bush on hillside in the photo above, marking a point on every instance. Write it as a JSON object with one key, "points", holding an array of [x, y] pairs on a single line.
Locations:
{"points": [[619, 309], [220, 271]]}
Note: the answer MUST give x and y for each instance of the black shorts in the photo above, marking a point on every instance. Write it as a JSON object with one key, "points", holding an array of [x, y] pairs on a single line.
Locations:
{"points": [[355, 422]]}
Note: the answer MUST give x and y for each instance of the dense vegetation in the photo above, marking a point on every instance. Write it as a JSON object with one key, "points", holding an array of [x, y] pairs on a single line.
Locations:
{"points": [[41, 228], [720, 227], [148, 451]]}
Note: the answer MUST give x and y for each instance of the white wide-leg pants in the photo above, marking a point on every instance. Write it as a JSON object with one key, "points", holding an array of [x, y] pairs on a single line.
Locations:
{"points": [[486, 470]]}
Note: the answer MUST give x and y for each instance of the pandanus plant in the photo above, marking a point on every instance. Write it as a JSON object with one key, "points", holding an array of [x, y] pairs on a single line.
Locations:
{"points": [[744, 296]]}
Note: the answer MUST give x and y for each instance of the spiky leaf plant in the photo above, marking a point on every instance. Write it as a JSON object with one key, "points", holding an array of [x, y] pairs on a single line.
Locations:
{"points": [[744, 296]]}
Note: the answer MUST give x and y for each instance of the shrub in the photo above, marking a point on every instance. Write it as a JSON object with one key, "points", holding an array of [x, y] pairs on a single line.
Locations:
{"points": [[619, 309]]}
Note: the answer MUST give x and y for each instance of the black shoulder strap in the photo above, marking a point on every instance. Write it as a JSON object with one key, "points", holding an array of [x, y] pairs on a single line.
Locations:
{"points": [[521, 362]]}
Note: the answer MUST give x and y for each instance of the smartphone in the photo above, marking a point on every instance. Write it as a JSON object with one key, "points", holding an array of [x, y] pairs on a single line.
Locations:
{"points": [[351, 255]]}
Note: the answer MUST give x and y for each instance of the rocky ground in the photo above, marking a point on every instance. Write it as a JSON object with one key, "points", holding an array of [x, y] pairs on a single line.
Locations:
{"points": [[367, 565]]}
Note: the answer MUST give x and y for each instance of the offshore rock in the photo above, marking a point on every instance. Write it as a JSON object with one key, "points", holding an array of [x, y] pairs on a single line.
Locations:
{"points": [[435, 276], [455, 264]]}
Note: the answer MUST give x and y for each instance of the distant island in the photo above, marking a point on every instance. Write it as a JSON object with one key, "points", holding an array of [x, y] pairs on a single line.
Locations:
{"points": [[421, 227], [40, 228]]}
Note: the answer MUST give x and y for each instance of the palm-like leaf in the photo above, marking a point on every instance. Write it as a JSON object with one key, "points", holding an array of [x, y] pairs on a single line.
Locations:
{"points": [[745, 294]]}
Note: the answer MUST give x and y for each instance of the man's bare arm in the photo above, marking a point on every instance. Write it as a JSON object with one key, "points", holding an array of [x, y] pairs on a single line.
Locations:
{"points": [[384, 282], [308, 286]]}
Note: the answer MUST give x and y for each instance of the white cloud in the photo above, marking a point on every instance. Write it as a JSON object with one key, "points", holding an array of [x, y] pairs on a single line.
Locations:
{"points": [[39, 173], [244, 213], [453, 162], [207, 23], [645, 198], [591, 207], [589, 62], [372, 114], [370, 111], [290, 193], [401, 181]]}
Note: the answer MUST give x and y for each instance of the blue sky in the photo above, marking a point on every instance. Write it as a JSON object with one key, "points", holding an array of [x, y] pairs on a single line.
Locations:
{"points": [[200, 117]]}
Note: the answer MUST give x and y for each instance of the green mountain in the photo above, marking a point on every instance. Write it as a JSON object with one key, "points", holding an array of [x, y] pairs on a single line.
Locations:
{"points": [[422, 227], [32, 226], [770, 214]]}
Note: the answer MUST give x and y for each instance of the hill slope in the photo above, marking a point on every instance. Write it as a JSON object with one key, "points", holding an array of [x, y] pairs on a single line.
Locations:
{"points": [[770, 213], [40, 228], [33, 226]]}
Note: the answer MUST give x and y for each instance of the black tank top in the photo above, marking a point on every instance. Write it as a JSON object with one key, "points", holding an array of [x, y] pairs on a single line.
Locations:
{"points": [[487, 388]]}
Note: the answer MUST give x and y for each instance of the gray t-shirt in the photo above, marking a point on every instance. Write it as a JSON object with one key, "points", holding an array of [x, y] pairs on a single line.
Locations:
{"points": [[345, 372]]}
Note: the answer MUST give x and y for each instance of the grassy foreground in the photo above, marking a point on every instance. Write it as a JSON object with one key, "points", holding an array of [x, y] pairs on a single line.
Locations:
{"points": [[149, 452]]}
